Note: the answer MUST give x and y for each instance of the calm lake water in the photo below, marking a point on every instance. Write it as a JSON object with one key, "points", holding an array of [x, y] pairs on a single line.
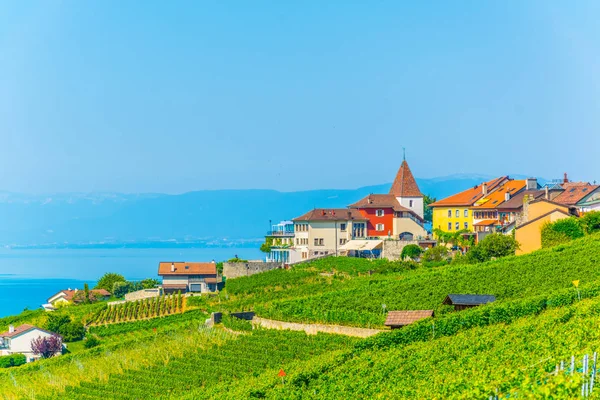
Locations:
{"points": [[29, 277]]}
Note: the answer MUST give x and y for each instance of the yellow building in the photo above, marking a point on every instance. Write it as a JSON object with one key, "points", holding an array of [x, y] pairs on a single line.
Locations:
{"points": [[454, 213], [537, 213]]}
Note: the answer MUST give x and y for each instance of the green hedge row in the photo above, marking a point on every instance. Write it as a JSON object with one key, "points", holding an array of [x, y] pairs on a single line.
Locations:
{"points": [[451, 324], [14, 360]]}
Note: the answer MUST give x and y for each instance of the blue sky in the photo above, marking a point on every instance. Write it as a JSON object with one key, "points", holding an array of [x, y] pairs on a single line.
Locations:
{"points": [[176, 96]]}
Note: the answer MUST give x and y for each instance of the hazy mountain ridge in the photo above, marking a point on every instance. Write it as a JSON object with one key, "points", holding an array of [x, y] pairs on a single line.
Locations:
{"points": [[195, 216]]}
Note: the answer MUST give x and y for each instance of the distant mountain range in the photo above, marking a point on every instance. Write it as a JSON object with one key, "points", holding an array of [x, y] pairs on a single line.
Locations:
{"points": [[208, 218]]}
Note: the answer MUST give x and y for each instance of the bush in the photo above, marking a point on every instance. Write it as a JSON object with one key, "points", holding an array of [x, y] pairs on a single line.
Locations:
{"points": [[14, 360], [107, 282], [591, 222], [437, 253], [120, 289], [72, 332], [492, 246], [55, 322], [411, 251], [561, 231], [90, 342]]}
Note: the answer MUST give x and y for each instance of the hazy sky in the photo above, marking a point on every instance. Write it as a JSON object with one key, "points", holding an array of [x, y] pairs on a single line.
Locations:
{"points": [[174, 96]]}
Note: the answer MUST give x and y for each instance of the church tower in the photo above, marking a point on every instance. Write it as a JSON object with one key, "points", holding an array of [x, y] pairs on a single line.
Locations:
{"points": [[406, 190]]}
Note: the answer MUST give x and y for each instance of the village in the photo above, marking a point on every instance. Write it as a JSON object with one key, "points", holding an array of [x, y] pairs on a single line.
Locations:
{"points": [[378, 226]]}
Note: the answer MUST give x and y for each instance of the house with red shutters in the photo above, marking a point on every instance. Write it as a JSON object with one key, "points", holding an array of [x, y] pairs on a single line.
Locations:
{"points": [[398, 214]]}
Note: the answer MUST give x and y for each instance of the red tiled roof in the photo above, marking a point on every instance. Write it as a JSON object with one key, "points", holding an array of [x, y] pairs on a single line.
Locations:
{"points": [[70, 293], [187, 268], [401, 318], [498, 196], [516, 201], [335, 214], [470, 196], [574, 192], [21, 329], [405, 184]]}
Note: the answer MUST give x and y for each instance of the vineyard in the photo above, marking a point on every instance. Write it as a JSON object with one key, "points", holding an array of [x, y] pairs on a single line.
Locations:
{"points": [[358, 301], [247, 355], [139, 310], [161, 348]]}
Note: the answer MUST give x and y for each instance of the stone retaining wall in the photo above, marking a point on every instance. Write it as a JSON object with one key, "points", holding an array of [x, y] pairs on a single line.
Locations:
{"points": [[313, 329], [235, 270]]}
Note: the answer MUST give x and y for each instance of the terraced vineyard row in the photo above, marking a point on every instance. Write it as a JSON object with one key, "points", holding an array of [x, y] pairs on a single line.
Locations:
{"points": [[141, 309]]}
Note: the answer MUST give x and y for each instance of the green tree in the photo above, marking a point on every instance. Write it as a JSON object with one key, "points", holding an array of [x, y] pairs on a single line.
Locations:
{"points": [[428, 211], [411, 251], [435, 254], [591, 222], [72, 332], [121, 288], [149, 283], [55, 322], [108, 281], [561, 231], [266, 246], [495, 245]]}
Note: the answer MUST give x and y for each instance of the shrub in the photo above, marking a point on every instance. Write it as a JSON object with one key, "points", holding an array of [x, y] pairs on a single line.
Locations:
{"points": [[90, 342], [492, 246], [72, 332], [108, 281], [591, 222], [411, 251], [120, 289], [14, 360], [55, 322], [561, 231], [437, 253]]}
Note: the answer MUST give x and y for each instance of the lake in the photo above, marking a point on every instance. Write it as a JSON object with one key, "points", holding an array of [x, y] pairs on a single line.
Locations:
{"points": [[29, 277]]}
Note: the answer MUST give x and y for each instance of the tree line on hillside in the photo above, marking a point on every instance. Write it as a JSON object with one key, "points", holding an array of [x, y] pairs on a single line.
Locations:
{"points": [[565, 230]]}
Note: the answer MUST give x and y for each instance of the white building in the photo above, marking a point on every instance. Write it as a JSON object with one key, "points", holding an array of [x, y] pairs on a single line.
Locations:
{"points": [[322, 231], [18, 340], [406, 190]]}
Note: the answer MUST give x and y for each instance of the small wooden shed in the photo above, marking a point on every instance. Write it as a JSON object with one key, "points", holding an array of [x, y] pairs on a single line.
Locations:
{"points": [[398, 319], [462, 301]]}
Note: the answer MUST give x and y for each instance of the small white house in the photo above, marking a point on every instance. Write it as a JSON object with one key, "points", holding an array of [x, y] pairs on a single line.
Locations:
{"points": [[18, 340]]}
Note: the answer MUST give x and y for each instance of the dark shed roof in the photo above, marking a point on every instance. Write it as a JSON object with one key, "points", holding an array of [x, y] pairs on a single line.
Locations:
{"points": [[469, 299]]}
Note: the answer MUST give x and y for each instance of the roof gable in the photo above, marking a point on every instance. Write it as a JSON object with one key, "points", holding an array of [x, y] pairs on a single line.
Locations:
{"points": [[405, 184], [575, 192], [497, 197], [21, 329]]}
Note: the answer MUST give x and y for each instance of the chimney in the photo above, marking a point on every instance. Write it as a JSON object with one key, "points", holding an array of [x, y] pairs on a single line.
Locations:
{"points": [[172, 267], [333, 212], [11, 329], [369, 201], [566, 178], [531, 183], [506, 196], [484, 189], [546, 193]]}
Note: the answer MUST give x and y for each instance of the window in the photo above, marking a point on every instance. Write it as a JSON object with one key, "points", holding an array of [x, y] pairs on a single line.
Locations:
{"points": [[466, 213], [316, 242], [343, 227], [466, 225], [449, 226], [410, 203], [379, 213], [449, 213], [379, 227], [342, 242], [458, 226], [457, 213], [321, 242]]}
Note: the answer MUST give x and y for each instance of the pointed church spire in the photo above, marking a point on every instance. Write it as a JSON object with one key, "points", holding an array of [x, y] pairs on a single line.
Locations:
{"points": [[405, 184]]}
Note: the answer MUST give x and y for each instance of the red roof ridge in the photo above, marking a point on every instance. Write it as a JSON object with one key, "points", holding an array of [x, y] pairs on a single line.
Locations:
{"points": [[405, 184]]}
